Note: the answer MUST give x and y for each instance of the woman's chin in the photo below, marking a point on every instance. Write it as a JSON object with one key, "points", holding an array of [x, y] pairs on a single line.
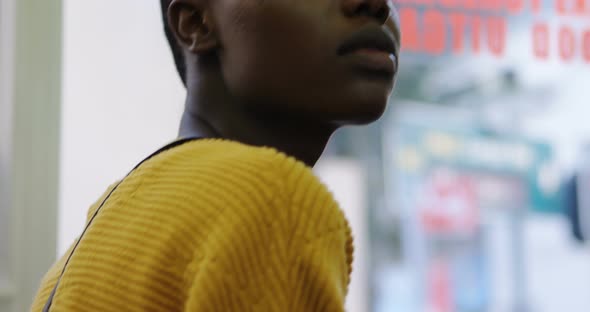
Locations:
{"points": [[361, 112]]}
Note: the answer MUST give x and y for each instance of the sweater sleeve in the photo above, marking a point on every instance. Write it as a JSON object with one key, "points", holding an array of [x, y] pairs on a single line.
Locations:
{"points": [[291, 252]]}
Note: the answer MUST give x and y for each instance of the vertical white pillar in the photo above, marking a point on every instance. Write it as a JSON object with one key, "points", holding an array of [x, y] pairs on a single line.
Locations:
{"points": [[30, 88], [6, 69]]}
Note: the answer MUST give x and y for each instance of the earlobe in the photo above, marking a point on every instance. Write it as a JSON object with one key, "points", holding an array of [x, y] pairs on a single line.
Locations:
{"points": [[192, 26]]}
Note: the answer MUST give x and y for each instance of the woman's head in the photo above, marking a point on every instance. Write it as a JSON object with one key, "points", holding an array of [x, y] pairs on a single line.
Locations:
{"points": [[329, 60]]}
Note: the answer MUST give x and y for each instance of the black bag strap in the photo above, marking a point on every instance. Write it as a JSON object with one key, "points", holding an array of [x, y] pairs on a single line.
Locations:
{"points": [[163, 149]]}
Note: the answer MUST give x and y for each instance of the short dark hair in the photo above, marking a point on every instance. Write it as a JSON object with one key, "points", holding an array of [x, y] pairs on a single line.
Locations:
{"points": [[174, 46]]}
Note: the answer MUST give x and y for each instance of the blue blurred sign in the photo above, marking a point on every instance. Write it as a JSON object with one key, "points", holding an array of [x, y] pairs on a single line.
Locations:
{"points": [[419, 149]]}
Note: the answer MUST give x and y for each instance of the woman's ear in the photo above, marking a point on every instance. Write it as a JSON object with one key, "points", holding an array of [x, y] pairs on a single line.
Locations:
{"points": [[190, 22]]}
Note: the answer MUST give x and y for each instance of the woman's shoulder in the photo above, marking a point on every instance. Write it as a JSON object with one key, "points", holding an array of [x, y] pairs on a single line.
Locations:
{"points": [[261, 181], [216, 152], [225, 158], [228, 165], [224, 177]]}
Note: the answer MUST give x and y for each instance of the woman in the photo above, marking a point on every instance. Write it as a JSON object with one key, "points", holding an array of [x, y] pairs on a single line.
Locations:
{"points": [[230, 216]]}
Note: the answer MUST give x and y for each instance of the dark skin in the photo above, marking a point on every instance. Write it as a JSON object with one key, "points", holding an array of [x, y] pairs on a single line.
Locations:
{"points": [[270, 72]]}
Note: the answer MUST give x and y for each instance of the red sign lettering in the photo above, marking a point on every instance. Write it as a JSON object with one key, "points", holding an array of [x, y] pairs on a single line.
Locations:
{"points": [[541, 41], [567, 44], [434, 32], [460, 26]]}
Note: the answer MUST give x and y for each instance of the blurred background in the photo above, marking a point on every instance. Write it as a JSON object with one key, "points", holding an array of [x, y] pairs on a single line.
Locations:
{"points": [[467, 196]]}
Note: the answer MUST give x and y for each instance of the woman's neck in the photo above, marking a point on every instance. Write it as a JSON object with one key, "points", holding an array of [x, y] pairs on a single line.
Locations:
{"points": [[210, 112]]}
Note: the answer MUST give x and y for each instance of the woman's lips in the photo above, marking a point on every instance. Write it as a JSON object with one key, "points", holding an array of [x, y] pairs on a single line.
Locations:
{"points": [[373, 60]]}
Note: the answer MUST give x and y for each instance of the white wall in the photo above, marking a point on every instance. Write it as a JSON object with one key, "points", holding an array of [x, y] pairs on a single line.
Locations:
{"points": [[346, 178], [121, 99]]}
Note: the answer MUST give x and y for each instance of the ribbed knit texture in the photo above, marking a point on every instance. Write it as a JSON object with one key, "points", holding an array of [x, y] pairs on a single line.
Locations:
{"points": [[211, 225]]}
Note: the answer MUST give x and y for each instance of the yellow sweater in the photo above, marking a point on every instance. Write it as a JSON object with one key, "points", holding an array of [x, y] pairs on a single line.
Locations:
{"points": [[210, 225]]}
